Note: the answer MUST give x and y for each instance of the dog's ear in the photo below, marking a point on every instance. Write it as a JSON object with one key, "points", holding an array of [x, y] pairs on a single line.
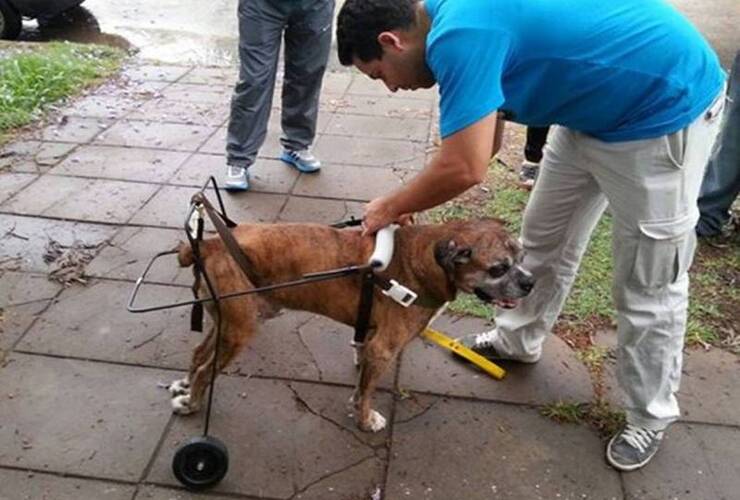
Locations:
{"points": [[448, 254]]}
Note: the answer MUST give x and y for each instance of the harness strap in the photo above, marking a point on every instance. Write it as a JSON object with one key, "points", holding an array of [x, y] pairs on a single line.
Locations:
{"points": [[196, 313], [222, 225], [365, 308]]}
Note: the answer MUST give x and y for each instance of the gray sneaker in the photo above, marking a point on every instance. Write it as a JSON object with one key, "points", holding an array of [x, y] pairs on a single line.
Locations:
{"points": [[528, 174], [483, 344], [632, 447]]}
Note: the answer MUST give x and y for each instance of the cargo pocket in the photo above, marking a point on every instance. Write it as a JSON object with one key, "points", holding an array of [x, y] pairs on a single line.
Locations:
{"points": [[665, 251]]}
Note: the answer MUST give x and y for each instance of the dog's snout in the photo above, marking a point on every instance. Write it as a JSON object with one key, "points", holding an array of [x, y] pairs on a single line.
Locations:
{"points": [[526, 282]]}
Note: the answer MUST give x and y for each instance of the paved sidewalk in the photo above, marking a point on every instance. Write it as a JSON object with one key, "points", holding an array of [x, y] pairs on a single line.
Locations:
{"points": [[82, 417]]}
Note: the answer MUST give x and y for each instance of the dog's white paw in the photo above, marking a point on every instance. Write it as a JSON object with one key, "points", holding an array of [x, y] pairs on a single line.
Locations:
{"points": [[376, 422], [179, 387], [181, 405]]}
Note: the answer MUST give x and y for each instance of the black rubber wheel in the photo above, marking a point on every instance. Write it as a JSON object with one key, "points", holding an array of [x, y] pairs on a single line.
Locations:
{"points": [[75, 17], [200, 463], [10, 21]]}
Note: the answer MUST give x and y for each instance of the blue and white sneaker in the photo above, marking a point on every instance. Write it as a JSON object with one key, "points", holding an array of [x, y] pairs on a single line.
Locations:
{"points": [[237, 179], [302, 160]]}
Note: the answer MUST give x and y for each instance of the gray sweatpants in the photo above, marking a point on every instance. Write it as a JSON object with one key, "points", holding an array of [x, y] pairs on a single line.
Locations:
{"points": [[652, 187], [306, 27]]}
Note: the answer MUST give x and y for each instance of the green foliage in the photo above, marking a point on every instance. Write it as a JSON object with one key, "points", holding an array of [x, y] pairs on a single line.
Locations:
{"points": [[30, 80]]}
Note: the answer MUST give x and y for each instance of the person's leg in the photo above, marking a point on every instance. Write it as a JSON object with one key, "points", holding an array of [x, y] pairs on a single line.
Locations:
{"points": [[652, 187], [307, 46], [564, 208], [722, 180], [533, 150], [261, 24]]}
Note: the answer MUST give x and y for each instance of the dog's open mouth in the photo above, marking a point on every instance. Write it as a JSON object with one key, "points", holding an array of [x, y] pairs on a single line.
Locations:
{"points": [[503, 303]]}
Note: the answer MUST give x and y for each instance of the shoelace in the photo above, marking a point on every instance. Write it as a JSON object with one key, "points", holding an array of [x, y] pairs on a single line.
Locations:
{"points": [[637, 437]]}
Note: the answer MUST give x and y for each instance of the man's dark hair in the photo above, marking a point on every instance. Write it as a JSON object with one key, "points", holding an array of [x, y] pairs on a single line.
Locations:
{"points": [[361, 21]]}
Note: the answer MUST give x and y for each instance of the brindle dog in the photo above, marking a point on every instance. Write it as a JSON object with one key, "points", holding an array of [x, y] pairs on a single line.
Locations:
{"points": [[435, 261]]}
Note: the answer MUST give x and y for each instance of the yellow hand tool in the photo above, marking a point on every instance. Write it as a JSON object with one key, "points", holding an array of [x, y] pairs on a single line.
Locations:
{"points": [[453, 345]]}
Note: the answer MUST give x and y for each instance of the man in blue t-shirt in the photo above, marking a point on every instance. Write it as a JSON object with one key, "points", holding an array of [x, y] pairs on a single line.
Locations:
{"points": [[634, 93]]}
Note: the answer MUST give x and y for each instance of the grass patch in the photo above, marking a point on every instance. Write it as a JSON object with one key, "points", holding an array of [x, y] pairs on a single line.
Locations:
{"points": [[599, 415], [565, 412], [38, 75], [593, 357]]}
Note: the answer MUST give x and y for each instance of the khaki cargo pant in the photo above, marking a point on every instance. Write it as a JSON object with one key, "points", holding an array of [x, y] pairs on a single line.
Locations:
{"points": [[651, 187]]}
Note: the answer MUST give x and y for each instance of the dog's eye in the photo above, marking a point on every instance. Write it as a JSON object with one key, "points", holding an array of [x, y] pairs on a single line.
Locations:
{"points": [[498, 270]]}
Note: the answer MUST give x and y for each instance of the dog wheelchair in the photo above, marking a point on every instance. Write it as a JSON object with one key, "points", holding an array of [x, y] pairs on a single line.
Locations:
{"points": [[203, 460]]}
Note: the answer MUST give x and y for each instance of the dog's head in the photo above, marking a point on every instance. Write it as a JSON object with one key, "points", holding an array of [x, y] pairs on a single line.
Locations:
{"points": [[481, 258]]}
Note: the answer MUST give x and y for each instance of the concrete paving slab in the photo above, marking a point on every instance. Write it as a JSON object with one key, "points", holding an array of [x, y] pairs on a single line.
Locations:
{"points": [[172, 111], [81, 199], [22, 485], [379, 127], [128, 253], [343, 150], [212, 94], [709, 389], [557, 376], [365, 86], [92, 322], [694, 461], [32, 156], [25, 253], [22, 298], [11, 183], [116, 162], [444, 449], [391, 107], [348, 182], [155, 72], [169, 207], [107, 420], [100, 106], [264, 176], [300, 209], [270, 149], [74, 129], [159, 493], [708, 392], [141, 90], [303, 346], [216, 76], [144, 134], [335, 82], [285, 438]]}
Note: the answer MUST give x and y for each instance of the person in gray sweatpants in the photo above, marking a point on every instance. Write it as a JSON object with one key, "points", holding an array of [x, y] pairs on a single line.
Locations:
{"points": [[305, 26]]}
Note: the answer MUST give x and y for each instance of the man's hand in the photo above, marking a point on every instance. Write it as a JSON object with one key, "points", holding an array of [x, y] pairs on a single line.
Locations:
{"points": [[379, 213]]}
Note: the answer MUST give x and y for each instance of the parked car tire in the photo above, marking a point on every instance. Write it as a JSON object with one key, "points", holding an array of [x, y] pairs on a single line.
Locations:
{"points": [[78, 16], [10, 21]]}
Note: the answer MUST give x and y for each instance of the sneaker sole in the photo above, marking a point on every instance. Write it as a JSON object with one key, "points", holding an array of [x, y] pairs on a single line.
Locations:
{"points": [[622, 467]]}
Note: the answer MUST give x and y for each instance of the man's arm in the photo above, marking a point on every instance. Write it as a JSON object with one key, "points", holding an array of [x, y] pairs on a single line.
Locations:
{"points": [[461, 163]]}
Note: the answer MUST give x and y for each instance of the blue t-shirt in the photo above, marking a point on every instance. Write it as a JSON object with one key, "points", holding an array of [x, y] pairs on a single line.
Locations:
{"points": [[616, 70]]}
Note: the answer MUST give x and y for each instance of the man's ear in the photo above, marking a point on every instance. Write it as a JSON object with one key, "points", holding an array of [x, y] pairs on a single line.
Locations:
{"points": [[448, 254], [389, 40]]}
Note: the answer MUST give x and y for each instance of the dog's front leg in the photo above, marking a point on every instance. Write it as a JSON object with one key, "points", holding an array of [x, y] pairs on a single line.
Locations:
{"points": [[375, 359]]}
